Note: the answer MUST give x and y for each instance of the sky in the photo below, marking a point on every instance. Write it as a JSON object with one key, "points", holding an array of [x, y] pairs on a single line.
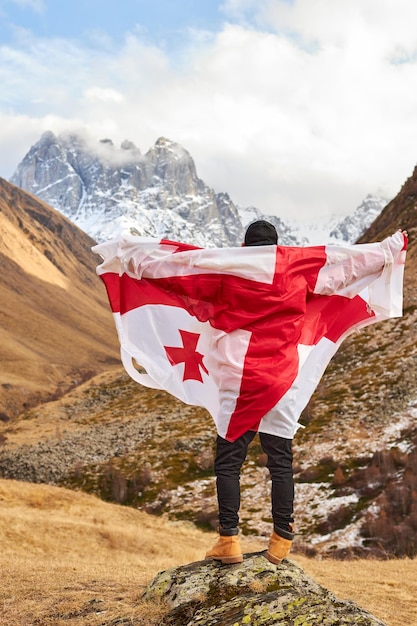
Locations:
{"points": [[298, 107]]}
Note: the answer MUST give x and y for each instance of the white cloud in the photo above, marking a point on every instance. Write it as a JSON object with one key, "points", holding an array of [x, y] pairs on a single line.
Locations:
{"points": [[100, 94], [302, 112], [19, 132]]}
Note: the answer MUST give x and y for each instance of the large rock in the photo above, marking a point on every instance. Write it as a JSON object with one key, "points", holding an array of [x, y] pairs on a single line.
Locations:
{"points": [[254, 592]]}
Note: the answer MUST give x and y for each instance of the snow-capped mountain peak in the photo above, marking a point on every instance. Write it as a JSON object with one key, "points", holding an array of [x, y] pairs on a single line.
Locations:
{"points": [[109, 191]]}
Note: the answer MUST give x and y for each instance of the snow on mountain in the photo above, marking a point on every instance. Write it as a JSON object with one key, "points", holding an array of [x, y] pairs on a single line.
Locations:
{"points": [[287, 234], [353, 226], [335, 229], [109, 191]]}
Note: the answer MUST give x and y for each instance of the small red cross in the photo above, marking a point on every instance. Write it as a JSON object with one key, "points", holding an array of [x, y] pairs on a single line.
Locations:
{"points": [[188, 355]]}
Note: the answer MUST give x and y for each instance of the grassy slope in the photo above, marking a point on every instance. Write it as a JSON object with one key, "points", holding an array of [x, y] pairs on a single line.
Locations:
{"points": [[67, 556], [56, 327]]}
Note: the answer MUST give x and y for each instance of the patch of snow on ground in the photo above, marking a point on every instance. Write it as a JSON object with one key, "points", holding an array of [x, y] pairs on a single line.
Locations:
{"points": [[348, 537], [399, 424]]}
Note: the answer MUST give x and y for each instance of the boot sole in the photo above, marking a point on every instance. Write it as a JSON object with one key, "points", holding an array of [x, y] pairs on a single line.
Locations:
{"points": [[273, 559], [228, 560]]}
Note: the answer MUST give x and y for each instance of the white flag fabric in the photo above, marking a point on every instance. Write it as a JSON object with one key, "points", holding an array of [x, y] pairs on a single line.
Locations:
{"points": [[245, 332]]}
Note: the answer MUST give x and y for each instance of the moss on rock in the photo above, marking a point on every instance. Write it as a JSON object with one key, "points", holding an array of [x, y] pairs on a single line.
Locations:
{"points": [[254, 593]]}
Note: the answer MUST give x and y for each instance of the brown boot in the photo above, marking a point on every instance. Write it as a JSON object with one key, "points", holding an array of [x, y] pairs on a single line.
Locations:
{"points": [[227, 550], [279, 545]]}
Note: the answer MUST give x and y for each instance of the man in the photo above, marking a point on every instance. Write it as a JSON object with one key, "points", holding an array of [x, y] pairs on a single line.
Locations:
{"points": [[246, 333], [230, 457]]}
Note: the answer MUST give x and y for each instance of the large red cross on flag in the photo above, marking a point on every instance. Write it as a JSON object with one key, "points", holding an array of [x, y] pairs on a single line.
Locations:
{"points": [[245, 332]]}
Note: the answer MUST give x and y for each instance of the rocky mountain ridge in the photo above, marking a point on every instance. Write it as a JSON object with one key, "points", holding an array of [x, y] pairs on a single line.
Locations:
{"points": [[109, 191]]}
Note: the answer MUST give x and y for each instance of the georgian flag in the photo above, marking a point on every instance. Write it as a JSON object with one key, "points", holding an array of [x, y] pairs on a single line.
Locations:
{"points": [[245, 332]]}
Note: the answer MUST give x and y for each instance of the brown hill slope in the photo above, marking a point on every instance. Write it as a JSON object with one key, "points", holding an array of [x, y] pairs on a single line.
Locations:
{"points": [[55, 324], [401, 212], [374, 375], [362, 417]]}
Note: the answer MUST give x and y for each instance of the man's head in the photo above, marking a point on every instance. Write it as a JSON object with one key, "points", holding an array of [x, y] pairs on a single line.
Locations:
{"points": [[261, 233]]}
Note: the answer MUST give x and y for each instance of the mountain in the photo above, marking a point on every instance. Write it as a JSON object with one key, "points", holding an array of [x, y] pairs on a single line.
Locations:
{"points": [[335, 229], [56, 329], [108, 191], [353, 226]]}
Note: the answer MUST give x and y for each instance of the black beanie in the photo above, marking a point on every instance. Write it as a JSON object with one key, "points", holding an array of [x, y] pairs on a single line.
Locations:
{"points": [[261, 233]]}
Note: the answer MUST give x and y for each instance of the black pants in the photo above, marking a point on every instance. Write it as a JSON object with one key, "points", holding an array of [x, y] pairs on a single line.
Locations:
{"points": [[229, 460]]}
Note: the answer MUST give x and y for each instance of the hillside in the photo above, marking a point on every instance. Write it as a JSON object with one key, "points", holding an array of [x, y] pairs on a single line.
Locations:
{"points": [[141, 447], [373, 378], [401, 212], [69, 558], [56, 329], [363, 414]]}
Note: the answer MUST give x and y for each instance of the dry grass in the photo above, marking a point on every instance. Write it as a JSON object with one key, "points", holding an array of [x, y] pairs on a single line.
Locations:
{"points": [[69, 558], [385, 588]]}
